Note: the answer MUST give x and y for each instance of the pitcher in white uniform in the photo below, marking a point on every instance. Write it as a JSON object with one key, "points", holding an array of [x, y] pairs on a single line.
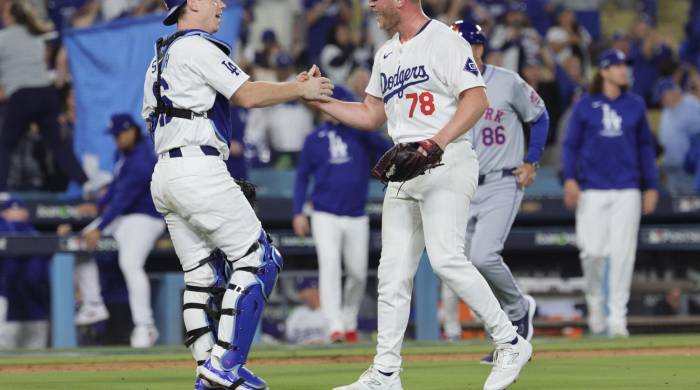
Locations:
{"points": [[426, 83], [499, 143]]}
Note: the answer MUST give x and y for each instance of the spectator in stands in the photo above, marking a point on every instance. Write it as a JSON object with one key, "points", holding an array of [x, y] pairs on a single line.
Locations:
{"points": [[690, 47], [321, 16], [25, 81], [568, 38], [307, 324], [128, 214], [338, 55], [610, 179], [680, 122], [24, 281], [649, 52], [93, 11], [280, 128], [338, 158], [265, 57], [518, 42]]}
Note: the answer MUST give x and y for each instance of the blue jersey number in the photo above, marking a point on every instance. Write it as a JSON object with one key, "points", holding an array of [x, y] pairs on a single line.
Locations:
{"points": [[490, 136]]}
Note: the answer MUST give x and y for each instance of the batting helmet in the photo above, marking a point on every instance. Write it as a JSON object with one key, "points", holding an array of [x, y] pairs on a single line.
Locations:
{"points": [[173, 7], [470, 31]]}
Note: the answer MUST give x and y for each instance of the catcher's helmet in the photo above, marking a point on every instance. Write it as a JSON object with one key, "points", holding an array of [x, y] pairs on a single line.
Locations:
{"points": [[173, 6], [470, 31]]}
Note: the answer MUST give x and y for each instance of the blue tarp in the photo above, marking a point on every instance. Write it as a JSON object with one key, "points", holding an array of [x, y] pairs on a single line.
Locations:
{"points": [[108, 63]]}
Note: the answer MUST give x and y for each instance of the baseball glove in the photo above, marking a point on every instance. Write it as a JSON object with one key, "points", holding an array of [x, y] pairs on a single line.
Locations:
{"points": [[248, 190], [404, 162]]}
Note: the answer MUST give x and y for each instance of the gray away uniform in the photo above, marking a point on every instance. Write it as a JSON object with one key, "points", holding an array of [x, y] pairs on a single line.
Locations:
{"points": [[499, 142]]}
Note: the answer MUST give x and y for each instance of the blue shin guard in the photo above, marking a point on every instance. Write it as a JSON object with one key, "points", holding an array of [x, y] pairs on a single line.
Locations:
{"points": [[243, 304]]}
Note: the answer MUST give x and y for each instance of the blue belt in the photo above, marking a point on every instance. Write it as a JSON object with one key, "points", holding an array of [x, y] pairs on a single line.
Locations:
{"points": [[504, 172], [206, 149]]}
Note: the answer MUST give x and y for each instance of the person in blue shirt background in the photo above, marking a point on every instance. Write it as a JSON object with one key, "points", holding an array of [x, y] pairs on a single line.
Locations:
{"points": [[24, 282], [680, 122], [128, 214], [611, 178], [236, 163], [339, 158]]}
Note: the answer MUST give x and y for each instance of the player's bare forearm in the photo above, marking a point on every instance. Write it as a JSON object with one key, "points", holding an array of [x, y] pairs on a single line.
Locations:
{"points": [[472, 104], [368, 115], [262, 93]]}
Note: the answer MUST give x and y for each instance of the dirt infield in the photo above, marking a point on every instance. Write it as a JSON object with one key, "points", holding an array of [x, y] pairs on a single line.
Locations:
{"points": [[185, 364]]}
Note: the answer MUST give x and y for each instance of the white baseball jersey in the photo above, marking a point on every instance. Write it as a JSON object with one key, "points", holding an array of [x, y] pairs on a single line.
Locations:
{"points": [[420, 80], [196, 74], [498, 137]]}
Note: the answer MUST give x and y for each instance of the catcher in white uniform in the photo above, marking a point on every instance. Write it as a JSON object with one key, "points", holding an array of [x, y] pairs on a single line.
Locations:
{"points": [[426, 84], [188, 89], [499, 143]]}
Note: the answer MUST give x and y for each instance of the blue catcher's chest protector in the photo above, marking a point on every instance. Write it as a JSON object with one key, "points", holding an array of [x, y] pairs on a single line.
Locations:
{"points": [[220, 113]]}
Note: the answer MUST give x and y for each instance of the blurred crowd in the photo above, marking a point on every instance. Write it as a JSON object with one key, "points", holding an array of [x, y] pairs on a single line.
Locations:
{"points": [[552, 44]]}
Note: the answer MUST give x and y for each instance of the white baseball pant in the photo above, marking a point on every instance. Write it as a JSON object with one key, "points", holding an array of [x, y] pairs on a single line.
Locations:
{"points": [[203, 207], [135, 234], [430, 212], [338, 236], [607, 226]]}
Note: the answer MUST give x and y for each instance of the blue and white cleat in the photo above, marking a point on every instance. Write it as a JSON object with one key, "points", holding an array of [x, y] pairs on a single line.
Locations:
{"points": [[239, 378], [203, 384]]}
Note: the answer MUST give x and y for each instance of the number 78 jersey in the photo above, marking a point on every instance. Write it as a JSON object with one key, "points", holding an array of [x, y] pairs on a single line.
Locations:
{"points": [[420, 80], [498, 137]]}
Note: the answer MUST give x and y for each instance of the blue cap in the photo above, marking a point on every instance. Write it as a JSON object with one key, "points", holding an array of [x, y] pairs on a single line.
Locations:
{"points": [[11, 202], [269, 36], [283, 60], [470, 31], [663, 85], [121, 122], [172, 6], [303, 282], [612, 57], [343, 93]]}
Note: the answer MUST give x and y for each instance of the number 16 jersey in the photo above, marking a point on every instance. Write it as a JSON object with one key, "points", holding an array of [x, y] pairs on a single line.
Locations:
{"points": [[498, 137], [421, 79]]}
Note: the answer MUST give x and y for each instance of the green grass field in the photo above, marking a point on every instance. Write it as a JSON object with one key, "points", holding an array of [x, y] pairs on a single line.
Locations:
{"points": [[643, 362]]}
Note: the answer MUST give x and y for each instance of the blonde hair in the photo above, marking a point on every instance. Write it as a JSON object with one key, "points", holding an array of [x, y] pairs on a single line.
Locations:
{"points": [[24, 13]]}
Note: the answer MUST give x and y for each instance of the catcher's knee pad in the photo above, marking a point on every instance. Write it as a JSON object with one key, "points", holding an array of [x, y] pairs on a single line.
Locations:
{"points": [[243, 304], [204, 289]]}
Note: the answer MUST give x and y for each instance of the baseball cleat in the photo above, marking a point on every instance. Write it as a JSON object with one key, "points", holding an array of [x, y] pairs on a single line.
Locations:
{"points": [[509, 360], [525, 327], [203, 384], [144, 336], [91, 313], [351, 337], [238, 379], [488, 359], [372, 379], [337, 337]]}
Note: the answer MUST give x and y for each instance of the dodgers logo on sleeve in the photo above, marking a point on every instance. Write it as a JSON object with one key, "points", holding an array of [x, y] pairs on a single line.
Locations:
{"points": [[470, 66]]}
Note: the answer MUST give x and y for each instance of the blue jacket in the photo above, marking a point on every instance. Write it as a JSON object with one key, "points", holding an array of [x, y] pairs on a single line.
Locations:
{"points": [[130, 191], [340, 159], [24, 280], [609, 145]]}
